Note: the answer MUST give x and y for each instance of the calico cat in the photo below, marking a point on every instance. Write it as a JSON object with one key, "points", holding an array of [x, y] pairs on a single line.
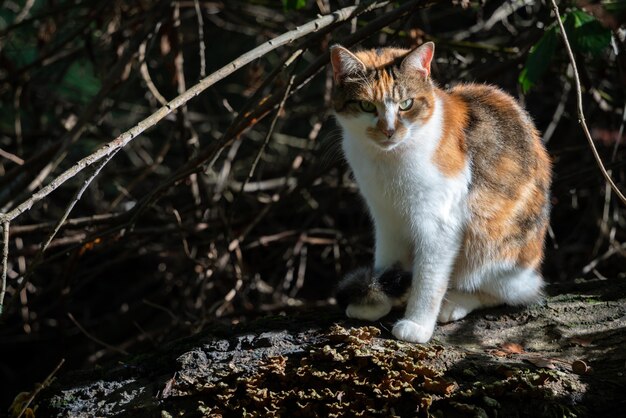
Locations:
{"points": [[456, 182]]}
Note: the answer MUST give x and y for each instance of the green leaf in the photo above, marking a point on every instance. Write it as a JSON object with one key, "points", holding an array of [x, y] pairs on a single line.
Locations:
{"points": [[79, 83], [585, 33], [538, 59], [293, 4]]}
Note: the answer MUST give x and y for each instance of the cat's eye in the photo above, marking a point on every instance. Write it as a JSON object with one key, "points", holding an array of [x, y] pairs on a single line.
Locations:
{"points": [[406, 104], [367, 106]]}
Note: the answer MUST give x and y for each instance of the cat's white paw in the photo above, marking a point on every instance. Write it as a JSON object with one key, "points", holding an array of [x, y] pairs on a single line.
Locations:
{"points": [[412, 332], [450, 312], [367, 312], [457, 305]]}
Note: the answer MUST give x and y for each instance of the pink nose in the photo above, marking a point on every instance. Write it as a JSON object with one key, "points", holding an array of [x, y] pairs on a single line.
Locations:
{"points": [[388, 132]]}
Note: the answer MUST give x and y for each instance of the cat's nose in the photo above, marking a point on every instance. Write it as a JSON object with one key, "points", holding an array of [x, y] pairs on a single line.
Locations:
{"points": [[388, 132]]}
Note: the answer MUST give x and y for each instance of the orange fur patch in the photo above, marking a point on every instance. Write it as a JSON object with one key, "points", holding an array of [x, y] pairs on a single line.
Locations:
{"points": [[450, 155], [511, 178]]}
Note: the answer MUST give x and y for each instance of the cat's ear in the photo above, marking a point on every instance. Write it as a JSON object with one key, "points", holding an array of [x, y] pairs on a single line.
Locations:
{"points": [[344, 63], [419, 59]]}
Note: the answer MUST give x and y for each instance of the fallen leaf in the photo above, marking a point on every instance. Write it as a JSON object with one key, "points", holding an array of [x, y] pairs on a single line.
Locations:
{"points": [[580, 367], [512, 348], [498, 353], [581, 341]]}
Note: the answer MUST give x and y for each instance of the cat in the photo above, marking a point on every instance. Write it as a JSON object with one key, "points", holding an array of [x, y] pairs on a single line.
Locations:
{"points": [[457, 184]]}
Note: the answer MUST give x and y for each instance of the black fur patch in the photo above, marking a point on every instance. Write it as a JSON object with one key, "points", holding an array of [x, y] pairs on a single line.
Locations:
{"points": [[355, 286], [358, 285], [395, 282]]}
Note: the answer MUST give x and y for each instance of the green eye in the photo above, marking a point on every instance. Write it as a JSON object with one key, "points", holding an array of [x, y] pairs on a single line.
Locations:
{"points": [[367, 106], [406, 105]]}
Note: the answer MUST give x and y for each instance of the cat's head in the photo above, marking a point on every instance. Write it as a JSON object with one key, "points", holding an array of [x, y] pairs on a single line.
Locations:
{"points": [[383, 94]]}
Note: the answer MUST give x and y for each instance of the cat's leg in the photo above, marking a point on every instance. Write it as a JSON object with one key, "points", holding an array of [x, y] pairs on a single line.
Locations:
{"points": [[434, 259], [391, 252], [392, 249], [498, 285]]}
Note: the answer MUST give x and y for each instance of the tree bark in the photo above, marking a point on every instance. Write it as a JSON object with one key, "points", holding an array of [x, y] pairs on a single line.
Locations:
{"points": [[563, 358]]}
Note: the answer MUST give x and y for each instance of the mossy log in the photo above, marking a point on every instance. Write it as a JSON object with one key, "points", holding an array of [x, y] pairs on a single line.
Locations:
{"points": [[563, 358]]}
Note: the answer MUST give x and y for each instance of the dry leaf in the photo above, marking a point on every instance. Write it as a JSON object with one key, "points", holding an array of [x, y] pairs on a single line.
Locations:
{"points": [[512, 348], [498, 353], [581, 341]]}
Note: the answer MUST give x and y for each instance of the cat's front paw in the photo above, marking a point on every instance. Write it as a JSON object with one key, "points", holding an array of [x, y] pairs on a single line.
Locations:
{"points": [[367, 312], [457, 305], [412, 332], [451, 312]]}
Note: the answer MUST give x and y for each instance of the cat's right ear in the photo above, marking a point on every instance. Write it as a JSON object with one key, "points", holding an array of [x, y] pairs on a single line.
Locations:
{"points": [[419, 59], [344, 63]]}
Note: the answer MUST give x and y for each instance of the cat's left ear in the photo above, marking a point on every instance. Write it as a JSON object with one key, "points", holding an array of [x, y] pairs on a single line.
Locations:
{"points": [[419, 59], [344, 63]]}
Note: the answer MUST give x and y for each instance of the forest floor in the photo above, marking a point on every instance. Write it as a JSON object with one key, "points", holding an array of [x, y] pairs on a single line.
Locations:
{"points": [[562, 358]]}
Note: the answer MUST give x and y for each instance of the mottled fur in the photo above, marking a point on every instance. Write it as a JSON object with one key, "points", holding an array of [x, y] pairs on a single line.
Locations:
{"points": [[457, 186], [376, 290]]}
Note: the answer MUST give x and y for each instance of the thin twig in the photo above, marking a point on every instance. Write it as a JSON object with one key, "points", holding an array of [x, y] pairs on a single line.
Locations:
{"points": [[268, 136], [183, 116], [74, 222], [201, 45], [579, 107], [41, 387], [613, 249], [558, 112], [620, 132], [24, 12], [160, 157], [5, 262], [77, 196], [17, 123], [11, 157], [145, 74], [94, 339]]}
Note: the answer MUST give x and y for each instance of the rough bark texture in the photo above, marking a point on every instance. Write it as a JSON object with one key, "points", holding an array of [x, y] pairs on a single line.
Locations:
{"points": [[564, 358]]}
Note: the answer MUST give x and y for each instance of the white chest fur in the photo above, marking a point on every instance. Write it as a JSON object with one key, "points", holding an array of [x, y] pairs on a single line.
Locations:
{"points": [[419, 213], [405, 191]]}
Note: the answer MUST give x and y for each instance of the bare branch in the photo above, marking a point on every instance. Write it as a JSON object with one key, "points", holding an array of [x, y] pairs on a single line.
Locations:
{"points": [[270, 131], [579, 106], [267, 104], [201, 45], [145, 74], [11, 157], [5, 263], [121, 141]]}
